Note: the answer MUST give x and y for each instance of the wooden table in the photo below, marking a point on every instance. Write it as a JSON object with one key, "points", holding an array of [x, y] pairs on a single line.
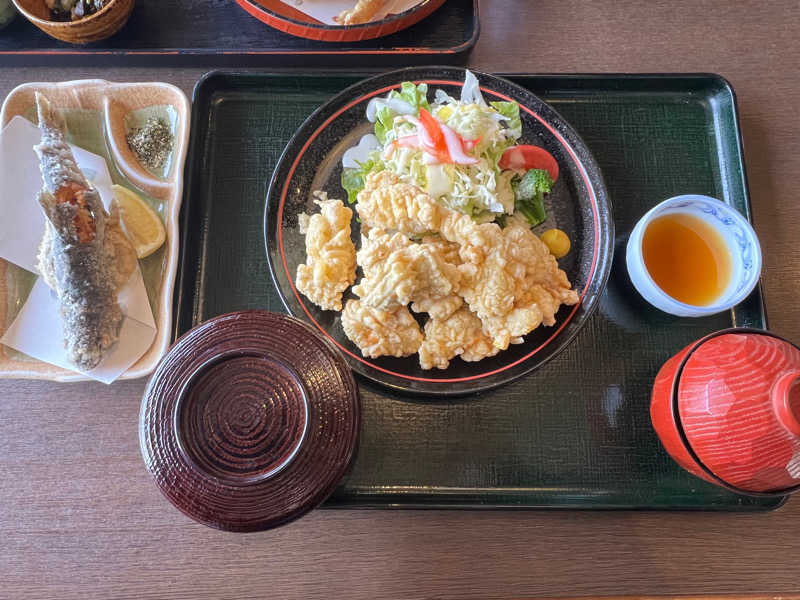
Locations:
{"points": [[80, 517]]}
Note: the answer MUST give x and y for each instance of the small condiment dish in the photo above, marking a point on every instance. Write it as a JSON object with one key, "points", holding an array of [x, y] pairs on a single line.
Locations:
{"points": [[738, 235], [95, 27]]}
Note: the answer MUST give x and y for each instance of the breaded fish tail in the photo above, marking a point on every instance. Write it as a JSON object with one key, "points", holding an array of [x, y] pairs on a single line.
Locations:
{"points": [[73, 258]]}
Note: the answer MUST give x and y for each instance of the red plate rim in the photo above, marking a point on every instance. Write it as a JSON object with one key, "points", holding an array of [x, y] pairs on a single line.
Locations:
{"points": [[558, 136]]}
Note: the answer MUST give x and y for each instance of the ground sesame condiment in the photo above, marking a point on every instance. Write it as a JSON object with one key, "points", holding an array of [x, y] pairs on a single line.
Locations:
{"points": [[151, 143]]}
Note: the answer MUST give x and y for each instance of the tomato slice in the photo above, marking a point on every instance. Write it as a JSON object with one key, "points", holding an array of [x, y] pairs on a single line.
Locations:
{"points": [[524, 157]]}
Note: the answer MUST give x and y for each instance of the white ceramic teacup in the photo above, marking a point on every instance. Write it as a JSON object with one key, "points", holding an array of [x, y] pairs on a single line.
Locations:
{"points": [[734, 229]]}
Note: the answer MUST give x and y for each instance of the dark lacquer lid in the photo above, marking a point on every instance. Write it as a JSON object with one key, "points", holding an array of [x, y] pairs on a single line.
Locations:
{"points": [[249, 421]]}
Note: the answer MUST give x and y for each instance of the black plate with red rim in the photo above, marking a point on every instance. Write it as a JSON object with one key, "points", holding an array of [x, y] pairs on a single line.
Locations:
{"points": [[578, 204]]}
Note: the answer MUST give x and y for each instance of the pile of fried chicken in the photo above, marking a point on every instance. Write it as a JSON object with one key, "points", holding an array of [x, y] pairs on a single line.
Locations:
{"points": [[483, 287]]}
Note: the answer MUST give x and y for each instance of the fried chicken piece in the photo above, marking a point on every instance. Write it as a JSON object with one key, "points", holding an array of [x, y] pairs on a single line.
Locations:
{"points": [[362, 12], [438, 308], [461, 334], [389, 270], [398, 271], [376, 246], [330, 254], [447, 250], [381, 332], [388, 203], [518, 287], [435, 277]]}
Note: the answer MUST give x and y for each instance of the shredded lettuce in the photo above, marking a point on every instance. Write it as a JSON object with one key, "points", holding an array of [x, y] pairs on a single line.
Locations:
{"points": [[383, 123], [481, 190], [477, 123], [510, 110], [353, 178], [415, 95]]}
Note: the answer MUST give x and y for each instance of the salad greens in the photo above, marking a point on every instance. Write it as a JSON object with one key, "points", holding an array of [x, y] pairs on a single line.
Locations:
{"points": [[353, 178], [413, 95], [529, 193], [451, 148]]}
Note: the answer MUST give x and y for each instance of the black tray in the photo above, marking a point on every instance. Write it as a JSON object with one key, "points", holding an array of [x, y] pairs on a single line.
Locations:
{"points": [[575, 433], [217, 33]]}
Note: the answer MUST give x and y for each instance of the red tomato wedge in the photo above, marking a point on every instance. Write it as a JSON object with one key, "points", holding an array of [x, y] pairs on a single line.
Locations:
{"points": [[522, 158]]}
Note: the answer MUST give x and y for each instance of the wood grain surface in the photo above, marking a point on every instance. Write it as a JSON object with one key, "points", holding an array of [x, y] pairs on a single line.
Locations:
{"points": [[80, 517], [672, 597]]}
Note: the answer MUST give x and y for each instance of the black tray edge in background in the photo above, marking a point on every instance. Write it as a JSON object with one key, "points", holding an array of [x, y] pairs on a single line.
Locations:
{"points": [[330, 55], [186, 301], [427, 501]]}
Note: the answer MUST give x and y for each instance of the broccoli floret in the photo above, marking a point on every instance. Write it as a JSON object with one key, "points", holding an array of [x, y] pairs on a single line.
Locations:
{"points": [[529, 192]]}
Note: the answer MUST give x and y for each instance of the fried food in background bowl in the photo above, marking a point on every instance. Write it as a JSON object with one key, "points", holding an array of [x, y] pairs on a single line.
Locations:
{"points": [[353, 24]]}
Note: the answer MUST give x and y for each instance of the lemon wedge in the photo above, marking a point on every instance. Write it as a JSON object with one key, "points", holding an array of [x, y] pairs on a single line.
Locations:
{"points": [[140, 222]]}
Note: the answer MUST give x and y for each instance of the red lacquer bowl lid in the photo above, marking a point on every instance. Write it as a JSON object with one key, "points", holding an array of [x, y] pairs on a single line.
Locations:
{"points": [[738, 402]]}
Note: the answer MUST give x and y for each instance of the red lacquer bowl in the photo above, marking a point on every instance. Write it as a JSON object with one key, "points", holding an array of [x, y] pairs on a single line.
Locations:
{"points": [[283, 17], [727, 409]]}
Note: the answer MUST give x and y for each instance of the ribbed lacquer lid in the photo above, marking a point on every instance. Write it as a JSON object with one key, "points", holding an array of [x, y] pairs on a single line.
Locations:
{"points": [[739, 407], [249, 421]]}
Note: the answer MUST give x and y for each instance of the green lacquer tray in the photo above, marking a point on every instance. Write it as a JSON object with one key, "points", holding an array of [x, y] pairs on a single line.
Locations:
{"points": [[575, 433]]}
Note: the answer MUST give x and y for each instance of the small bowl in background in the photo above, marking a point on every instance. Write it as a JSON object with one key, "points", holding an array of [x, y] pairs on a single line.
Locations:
{"points": [[98, 26], [738, 235], [7, 12]]}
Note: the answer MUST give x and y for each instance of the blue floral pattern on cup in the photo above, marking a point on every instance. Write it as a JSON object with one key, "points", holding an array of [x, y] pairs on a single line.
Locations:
{"points": [[745, 247], [739, 237]]}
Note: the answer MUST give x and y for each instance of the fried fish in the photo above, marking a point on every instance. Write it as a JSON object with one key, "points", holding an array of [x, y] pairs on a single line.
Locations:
{"points": [[84, 256]]}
